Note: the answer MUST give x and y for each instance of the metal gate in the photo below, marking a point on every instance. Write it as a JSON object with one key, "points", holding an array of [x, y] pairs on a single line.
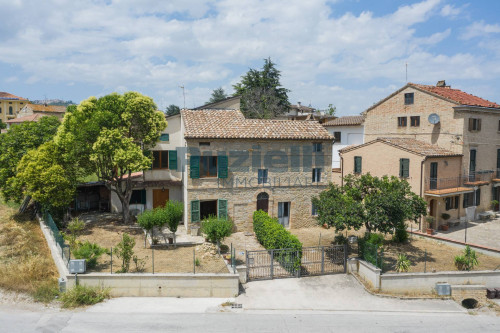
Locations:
{"points": [[284, 263]]}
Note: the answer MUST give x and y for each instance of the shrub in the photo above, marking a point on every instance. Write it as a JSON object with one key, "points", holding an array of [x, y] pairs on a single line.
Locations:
{"points": [[216, 229], [493, 204], [369, 248], [46, 292], [467, 260], [403, 264], [89, 251], [272, 235], [340, 239], [401, 234], [445, 216], [375, 239], [74, 230], [140, 264], [146, 220], [125, 251], [83, 295]]}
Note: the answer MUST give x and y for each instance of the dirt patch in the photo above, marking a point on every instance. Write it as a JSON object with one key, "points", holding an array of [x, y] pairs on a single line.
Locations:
{"points": [[242, 242], [166, 259]]}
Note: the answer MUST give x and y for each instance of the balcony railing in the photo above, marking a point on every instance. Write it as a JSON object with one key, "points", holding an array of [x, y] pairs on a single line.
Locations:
{"points": [[469, 180]]}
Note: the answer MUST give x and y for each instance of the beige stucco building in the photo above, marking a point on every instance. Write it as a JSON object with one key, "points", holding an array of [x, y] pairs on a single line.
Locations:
{"points": [[10, 105], [447, 119]]}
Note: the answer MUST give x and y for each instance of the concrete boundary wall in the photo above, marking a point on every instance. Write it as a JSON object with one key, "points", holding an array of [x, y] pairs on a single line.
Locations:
{"points": [[163, 284], [55, 249], [424, 283]]}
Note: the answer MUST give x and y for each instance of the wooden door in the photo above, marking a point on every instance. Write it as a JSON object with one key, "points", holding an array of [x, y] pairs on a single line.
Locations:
{"points": [[160, 197], [433, 176], [263, 202]]}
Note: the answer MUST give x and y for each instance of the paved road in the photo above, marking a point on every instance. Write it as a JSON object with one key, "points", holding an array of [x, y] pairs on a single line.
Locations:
{"points": [[478, 232]]}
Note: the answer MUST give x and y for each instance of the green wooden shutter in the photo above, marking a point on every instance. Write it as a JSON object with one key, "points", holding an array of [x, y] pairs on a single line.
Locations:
{"points": [[404, 168], [195, 211], [222, 208], [357, 164], [194, 166], [172, 159], [222, 166], [143, 196], [164, 137]]}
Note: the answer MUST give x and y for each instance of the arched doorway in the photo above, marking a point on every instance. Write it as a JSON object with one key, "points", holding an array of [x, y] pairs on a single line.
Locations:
{"points": [[263, 201]]}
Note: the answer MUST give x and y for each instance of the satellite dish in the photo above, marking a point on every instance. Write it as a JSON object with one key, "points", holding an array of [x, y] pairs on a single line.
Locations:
{"points": [[433, 118]]}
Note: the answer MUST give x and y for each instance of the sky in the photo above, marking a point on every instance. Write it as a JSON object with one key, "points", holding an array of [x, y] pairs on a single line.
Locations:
{"points": [[349, 53]]}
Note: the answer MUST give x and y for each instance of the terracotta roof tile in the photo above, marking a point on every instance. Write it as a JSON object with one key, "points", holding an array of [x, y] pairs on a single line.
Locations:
{"points": [[345, 121], [414, 146], [457, 96], [5, 95], [31, 117], [47, 108], [231, 124]]}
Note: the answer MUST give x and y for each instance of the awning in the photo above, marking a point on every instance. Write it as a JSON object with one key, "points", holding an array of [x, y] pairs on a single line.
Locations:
{"points": [[448, 191]]}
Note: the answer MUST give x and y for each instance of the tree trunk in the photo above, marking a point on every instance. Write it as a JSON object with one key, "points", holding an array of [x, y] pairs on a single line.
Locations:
{"points": [[175, 241], [126, 211]]}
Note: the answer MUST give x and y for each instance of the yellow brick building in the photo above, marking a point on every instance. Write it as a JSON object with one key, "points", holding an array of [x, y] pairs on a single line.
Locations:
{"points": [[10, 105]]}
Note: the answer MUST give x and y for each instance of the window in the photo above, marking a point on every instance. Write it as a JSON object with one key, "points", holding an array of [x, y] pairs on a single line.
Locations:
{"points": [[10, 109], [415, 121], [317, 147], [314, 209], [478, 197], [208, 166], [138, 197], [204, 144], [404, 168], [452, 202], [498, 121], [338, 136], [1, 112], [160, 159], [357, 164], [469, 198], [316, 175], [409, 98], [474, 124], [402, 121], [164, 137], [262, 176]]}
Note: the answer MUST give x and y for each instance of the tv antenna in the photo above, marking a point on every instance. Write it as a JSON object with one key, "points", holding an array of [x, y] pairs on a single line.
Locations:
{"points": [[406, 65], [183, 95]]}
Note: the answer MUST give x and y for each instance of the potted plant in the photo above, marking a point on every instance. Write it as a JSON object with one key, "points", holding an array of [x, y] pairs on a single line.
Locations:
{"points": [[494, 204], [445, 217], [430, 221]]}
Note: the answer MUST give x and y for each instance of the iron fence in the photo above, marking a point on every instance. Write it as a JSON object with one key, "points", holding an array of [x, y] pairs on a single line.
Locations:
{"points": [[373, 254], [286, 263], [62, 247]]}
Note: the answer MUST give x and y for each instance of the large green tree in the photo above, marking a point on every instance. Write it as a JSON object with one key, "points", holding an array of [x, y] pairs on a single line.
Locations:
{"points": [[262, 95], [172, 110], [217, 95], [380, 204], [14, 144], [109, 137]]}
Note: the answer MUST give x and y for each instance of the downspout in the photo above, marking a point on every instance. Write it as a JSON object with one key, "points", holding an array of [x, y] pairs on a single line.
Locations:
{"points": [[341, 170], [421, 186]]}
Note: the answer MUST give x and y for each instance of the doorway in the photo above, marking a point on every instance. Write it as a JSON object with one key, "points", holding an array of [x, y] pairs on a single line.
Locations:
{"points": [[284, 213], [433, 176], [472, 165], [263, 202], [208, 208], [432, 208], [160, 197]]}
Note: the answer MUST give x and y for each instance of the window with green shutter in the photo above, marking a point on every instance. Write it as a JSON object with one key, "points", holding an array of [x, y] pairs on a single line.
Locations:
{"points": [[195, 211], [357, 164], [194, 166], [222, 166], [164, 137], [172, 159], [404, 168], [222, 208]]}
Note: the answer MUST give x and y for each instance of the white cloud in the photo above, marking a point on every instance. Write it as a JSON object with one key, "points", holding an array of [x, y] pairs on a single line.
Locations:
{"points": [[478, 29], [450, 11]]}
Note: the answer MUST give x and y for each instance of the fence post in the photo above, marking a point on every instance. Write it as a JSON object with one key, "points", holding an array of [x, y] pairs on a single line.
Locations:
{"points": [[194, 262], [246, 261], [345, 258], [300, 263], [272, 264], [322, 260], [425, 261], [153, 258], [111, 260]]}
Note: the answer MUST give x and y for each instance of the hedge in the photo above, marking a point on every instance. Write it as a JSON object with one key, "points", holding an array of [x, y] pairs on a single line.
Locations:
{"points": [[271, 234]]}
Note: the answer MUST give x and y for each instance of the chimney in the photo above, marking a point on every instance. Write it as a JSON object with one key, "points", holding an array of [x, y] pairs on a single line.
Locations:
{"points": [[442, 84]]}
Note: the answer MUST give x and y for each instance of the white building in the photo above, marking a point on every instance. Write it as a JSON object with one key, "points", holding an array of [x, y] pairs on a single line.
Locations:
{"points": [[348, 130]]}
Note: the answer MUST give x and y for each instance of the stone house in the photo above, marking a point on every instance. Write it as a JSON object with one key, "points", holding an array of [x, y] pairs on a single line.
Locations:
{"points": [[42, 109], [219, 163], [448, 119]]}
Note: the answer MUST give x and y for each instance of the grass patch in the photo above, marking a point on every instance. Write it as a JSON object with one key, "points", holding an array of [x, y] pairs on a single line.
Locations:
{"points": [[82, 295], [25, 260], [46, 292]]}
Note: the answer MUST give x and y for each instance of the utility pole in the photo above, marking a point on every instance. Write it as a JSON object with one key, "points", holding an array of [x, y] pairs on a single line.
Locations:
{"points": [[183, 95]]}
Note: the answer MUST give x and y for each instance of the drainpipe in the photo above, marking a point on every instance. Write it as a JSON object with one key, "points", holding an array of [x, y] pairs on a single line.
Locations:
{"points": [[341, 170], [421, 186]]}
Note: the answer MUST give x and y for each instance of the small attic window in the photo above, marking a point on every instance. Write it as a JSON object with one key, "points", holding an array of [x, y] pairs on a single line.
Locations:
{"points": [[204, 144], [408, 98]]}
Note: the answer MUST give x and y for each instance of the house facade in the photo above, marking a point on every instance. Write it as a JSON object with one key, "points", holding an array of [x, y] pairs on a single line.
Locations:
{"points": [[347, 131], [10, 105], [42, 109], [448, 119], [236, 166]]}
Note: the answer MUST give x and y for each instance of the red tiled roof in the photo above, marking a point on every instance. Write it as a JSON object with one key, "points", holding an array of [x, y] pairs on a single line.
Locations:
{"points": [[231, 124], [414, 146], [345, 121], [31, 117], [457, 96], [47, 108], [5, 95]]}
